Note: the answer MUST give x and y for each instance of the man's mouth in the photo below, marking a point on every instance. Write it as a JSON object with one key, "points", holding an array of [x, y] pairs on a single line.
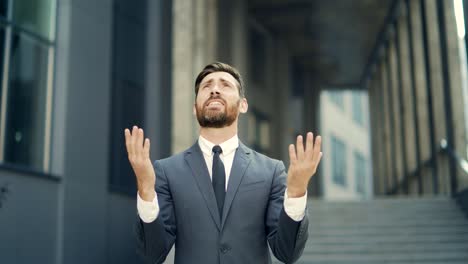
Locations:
{"points": [[215, 102]]}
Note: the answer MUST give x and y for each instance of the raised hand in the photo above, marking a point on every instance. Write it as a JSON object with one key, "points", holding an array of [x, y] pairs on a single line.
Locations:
{"points": [[138, 154], [303, 164]]}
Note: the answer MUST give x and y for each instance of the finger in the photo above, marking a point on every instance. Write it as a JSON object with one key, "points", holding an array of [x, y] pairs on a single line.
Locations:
{"points": [[309, 147], [134, 137], [146, 147], [127, 141], [300, 147], [135, 150], [317, 148], [140, 138], [292, 154]]}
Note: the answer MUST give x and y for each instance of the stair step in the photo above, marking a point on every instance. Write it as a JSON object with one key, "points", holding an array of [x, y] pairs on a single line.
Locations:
{"points": [[385, 222], [423, 238], [400, 248], [333, 223], [389, 230], [411, 256], [454, 230], [387, 209]]}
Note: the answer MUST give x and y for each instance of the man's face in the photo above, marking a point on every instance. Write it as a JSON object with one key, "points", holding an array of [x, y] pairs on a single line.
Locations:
{"points": [[218, 101]]}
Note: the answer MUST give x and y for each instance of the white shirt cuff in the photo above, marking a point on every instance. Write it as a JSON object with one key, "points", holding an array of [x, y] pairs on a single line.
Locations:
{"points": [[295, 207], [148, 211]]}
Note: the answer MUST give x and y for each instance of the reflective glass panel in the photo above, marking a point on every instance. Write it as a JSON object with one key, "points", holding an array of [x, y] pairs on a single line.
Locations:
{"points": [[4, 8], [24, 144], [2, 57], [37, 16], [338, 161]]}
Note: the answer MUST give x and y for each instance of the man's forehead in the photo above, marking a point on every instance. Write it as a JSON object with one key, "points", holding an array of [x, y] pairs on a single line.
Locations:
{"points": [[219, 75]]}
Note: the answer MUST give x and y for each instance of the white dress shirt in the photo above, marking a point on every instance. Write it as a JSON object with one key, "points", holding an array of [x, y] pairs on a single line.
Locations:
{"points": [[294, 207]]}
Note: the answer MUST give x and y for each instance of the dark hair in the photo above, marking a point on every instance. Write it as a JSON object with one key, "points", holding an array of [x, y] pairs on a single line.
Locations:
{"points": [[220, 67]]}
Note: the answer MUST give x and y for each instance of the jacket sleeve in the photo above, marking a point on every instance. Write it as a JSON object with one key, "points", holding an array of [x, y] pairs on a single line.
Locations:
{"points": [[287, 238], [155, 239]]}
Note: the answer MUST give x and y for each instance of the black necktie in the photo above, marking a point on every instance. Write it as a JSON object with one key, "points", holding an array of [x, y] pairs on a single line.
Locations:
{"points": [[219, 178]]}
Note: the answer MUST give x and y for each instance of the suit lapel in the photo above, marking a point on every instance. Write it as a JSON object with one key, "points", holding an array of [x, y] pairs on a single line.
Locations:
{"points": [[194, 158], [239, 165]]}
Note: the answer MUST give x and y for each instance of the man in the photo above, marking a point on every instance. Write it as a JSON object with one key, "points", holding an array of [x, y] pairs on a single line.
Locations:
{"points": [[219, 201]]}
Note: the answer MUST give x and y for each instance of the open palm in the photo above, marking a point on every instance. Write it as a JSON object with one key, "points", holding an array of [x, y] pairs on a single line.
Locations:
{"points": [[303, 163]]}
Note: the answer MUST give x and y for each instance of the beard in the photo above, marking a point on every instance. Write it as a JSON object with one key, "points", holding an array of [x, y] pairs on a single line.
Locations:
{"points": [[215, 118]]}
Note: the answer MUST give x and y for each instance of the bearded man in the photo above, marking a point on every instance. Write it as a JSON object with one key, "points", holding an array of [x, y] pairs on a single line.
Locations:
{"points": [[220, 201]]}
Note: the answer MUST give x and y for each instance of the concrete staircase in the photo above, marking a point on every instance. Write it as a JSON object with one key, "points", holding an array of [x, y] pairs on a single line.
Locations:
{"points": [[389, 230]]}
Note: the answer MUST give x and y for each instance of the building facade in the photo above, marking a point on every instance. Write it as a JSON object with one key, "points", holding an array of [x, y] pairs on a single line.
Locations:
{"points": [[344, 125], [76, 73]]}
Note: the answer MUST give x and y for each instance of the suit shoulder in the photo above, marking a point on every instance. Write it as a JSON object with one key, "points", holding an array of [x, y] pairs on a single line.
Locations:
{"points": [[174, 158], [264, 158]]}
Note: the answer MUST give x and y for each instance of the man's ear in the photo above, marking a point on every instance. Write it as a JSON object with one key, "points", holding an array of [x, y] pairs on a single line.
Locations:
{"points": [[244, 106], [194, 109]]}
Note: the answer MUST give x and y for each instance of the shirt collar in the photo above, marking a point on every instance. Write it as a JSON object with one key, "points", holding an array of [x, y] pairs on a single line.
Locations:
{"points": [[227, 146]]}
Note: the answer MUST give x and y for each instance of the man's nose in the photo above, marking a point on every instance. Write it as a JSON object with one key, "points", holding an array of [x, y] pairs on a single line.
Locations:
{"points": [[215, 89]]}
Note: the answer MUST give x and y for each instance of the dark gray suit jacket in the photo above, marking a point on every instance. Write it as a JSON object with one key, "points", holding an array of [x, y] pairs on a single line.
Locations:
{"points": [[253, 213]]}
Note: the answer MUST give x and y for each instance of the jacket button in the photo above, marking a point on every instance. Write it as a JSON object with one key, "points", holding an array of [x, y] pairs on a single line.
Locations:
{"points": [[224, 249]]}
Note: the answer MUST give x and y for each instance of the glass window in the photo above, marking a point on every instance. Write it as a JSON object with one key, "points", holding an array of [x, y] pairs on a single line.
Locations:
{"points": [[337, 98], [338, 154], [360, 172], [27, 87], [28, 29], [2, 51], [357, 107], [37, 16], [4, 8]]}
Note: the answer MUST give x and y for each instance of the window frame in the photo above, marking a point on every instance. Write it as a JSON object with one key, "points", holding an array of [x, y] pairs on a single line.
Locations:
{"points": [[357, 107], [12, 28], [338, 157]]}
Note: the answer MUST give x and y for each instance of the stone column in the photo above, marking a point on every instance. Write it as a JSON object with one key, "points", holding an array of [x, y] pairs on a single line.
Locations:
{"points": [[409, 148], [183, 128], [281, 137], [420, 81], [456, 92], [311, 123], [395, 132], [386, 142], [383, 162], [381, 122], [314, 126], [194, 45], [437, 92], [375, 123]]}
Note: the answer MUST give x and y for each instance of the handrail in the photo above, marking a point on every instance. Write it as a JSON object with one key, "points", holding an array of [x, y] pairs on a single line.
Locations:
{"points": [[412, 175], [444, 148], [463, 163]]}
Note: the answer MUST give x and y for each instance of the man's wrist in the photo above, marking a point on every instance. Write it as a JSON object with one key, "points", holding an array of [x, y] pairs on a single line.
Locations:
{"points": [[147, 194], [295, 207], [296, 192]]}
